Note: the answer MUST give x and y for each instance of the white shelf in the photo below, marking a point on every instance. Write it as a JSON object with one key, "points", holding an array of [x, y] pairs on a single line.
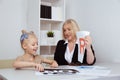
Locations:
{"points": [[54, 24], [51, 20], [47, 44], [41, 25]]}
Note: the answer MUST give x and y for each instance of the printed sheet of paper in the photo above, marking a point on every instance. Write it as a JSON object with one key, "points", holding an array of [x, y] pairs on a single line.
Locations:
{"points": [[81, 44], [93, 70]]}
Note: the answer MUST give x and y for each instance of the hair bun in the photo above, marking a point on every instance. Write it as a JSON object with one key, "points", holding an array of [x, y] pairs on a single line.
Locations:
{"points": [[32, 32], [24, 31]]}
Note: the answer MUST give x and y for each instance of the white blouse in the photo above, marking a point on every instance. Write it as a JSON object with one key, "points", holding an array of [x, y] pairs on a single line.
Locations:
{"points": [[68, 54]]}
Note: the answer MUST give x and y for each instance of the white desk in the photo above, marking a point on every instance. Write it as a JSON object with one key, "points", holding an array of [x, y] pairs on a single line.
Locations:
{"points": [[29, 74]]}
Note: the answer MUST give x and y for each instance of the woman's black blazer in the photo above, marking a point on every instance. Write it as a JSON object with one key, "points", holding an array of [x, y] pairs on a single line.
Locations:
{"points": [[59, 54]]}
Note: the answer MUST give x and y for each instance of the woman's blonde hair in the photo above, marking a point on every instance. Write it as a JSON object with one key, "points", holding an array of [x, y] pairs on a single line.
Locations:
{"points": [[73, 25]]}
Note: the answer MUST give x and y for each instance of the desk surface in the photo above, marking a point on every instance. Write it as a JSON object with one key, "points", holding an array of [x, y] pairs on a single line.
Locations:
{"points": [[29, 74]]}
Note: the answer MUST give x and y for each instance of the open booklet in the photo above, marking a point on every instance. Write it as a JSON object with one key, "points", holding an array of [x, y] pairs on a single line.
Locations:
{"points": [[57, 71], [79, 70]]}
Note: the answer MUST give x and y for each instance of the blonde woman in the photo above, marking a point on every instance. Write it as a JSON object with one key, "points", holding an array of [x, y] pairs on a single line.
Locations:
{"points": [[66, 52]]}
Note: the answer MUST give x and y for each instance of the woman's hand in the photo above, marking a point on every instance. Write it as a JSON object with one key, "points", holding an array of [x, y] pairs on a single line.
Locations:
{"points": [[88, 42], [90, 55], [54, 64]]}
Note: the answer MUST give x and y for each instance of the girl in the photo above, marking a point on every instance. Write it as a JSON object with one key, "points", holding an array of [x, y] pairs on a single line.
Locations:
{"points": [[29, 43]]}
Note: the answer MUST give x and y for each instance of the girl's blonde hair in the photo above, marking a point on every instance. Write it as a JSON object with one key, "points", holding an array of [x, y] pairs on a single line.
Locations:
{"points": [[25, 36], [73, 25]]}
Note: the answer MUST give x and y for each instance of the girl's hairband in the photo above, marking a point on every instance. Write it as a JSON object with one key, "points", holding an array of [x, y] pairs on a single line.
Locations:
{"points": [[23, 36]]}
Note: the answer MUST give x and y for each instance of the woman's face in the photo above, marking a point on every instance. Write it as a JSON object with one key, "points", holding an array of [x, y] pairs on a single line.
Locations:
{"points": [[68, 32]]}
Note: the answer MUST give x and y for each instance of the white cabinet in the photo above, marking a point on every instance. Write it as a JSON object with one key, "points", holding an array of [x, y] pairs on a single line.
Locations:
{"points": [[44, 16]]}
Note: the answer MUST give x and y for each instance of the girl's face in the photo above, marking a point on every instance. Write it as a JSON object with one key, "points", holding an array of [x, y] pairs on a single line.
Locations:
{"points": [[31, 45], [68, 32]]}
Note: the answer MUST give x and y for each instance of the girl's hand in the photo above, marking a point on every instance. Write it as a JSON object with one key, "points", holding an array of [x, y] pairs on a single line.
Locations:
{"points": [[88, 42], [54, 64], [39, 67]]}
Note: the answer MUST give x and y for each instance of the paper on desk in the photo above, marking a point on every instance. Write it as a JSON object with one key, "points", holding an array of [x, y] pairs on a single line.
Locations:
{"points": [[86, 70], [93, 70], [72, 77]]}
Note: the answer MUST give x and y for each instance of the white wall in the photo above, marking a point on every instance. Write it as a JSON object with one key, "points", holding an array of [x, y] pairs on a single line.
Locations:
{"points": [[102, 19], [12, 21]]}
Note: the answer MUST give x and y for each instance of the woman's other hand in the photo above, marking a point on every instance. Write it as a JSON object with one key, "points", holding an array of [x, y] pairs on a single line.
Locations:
{"points": [[54, 64]]}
